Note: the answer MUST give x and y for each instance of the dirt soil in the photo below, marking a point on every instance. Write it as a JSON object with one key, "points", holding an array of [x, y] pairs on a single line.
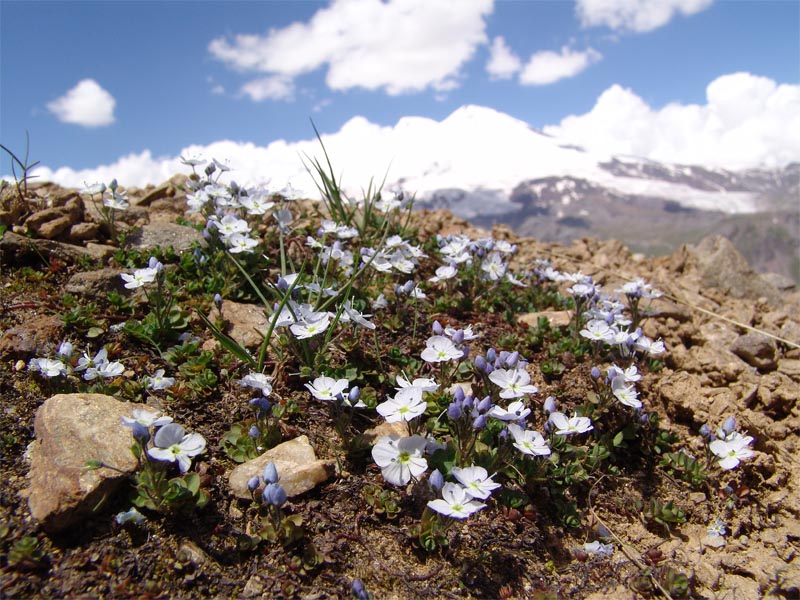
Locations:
{"points": [[497, 553]]}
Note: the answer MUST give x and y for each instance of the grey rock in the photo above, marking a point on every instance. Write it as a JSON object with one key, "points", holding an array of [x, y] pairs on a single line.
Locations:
{"points": [[70, 430], [243, 322], [756, 350], [83, 232], [96, 283], [164, 235], [720, 265], [299, 470], [780, 281], [18, 247], [37, 336]]}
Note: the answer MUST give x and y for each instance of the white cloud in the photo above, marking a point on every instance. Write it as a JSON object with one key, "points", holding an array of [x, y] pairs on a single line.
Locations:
{"points": [[86, 104], [635, 15], [399, 46], [547, 67], [746, 121], [272, 88], [503, 63]]}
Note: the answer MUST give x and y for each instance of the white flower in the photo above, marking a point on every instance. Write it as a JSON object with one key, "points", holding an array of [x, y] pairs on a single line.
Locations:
{"points": [[493, 266], [626, 394], [598, 331], [259, 381], [425, 384], [406, 405], [107, 369], [48, 366], [229, 225], [515, 411], [455, 502], [351, 314], [159, 382], [645, 344], [444, 273], [238, 243], [515, 383], [597, 548], [568, 425], [476, 481], [172, 444], [733, 450], [440, 348], [146, 418], [327, 388], [528, 442], [306, 329], [400, 459], [139, 278], [65, 349]]}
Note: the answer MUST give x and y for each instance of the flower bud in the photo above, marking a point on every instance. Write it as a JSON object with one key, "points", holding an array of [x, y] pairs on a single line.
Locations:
{"points": [[550, 405], [261, 406], [253, 483], [511, 359], [254, 432], [274, 494], [141, 433], [480, 363], [454, 410], [595, 373], [485, 405], [436, 480], [465, 355], [491, 355], [479, 422], [705, 431], [458, 395], [437, 328], [354, 395], [358, 590], [218, 301], [468, 402], [458, 337], [729, 425], [270, 473]]}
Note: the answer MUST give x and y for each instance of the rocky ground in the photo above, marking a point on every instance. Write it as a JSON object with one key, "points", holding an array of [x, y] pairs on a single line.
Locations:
{"points": [[733, 339]]}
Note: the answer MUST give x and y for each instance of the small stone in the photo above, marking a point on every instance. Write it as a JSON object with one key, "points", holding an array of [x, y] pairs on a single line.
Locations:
{"points": [[713, 541], [96, 283], [53, 229], [299, 470], [556, 318], [33, 338], [82, 232], [370, 436], [244, 322], [756, 350]]}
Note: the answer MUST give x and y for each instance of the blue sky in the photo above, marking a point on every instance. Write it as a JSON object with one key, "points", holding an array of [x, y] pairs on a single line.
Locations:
{"points": [[93, 82]]}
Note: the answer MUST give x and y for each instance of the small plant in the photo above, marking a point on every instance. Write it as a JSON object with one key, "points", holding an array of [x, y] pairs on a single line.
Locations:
{"points": [[26, 554]]}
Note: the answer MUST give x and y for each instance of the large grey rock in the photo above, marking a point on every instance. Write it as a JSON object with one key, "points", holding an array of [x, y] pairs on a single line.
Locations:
{"points": [[299, 470], [720, 265], [96, 283], [164, 235], [14, 247], [70, 430]]}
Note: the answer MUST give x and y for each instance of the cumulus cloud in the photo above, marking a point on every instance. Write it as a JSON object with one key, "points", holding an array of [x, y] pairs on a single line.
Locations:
{"points": [[746, 121], [635, 15], [503, 63], [546, 67], [269, 88], [86, 104], [399, 46]]}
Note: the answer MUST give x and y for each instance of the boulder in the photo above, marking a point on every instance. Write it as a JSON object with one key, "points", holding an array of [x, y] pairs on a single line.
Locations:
{"points": [[70, 430]]}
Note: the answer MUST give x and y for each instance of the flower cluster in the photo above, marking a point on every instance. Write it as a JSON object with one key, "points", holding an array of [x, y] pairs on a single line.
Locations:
{"points": [[729, 446], [67, 363]]}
